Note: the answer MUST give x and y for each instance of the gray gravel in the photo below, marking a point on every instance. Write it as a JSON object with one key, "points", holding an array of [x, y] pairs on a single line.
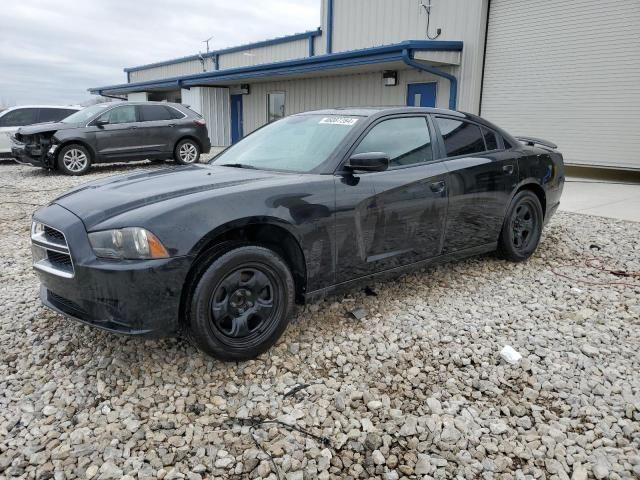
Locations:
{"points": [[416, 389]]}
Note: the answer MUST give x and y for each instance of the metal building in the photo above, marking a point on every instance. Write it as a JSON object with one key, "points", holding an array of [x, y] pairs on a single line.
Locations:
{"points": [[567, 71]]}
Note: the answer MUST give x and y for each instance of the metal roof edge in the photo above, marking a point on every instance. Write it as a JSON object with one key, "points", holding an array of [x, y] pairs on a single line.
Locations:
{"points": [[318, 62], [239, 48]]}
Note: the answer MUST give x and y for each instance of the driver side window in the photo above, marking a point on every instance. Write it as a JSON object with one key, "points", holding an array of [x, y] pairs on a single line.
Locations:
{"points": [[124, 114], [405, 140]]}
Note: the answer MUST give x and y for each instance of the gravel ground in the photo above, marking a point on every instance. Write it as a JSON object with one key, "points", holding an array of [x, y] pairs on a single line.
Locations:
{"points": [[416, 389]]}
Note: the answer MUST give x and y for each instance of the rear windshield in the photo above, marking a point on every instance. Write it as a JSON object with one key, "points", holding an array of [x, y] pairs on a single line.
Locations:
{"points": [[300, 143]]}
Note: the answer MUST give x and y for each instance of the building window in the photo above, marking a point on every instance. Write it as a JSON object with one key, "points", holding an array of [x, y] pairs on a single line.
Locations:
{"points": [[275, 106]]}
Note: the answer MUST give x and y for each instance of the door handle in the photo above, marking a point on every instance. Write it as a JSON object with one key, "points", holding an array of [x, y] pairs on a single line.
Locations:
{"points": [[132, 128], [438, 187], [171, 125], [508, 169]]}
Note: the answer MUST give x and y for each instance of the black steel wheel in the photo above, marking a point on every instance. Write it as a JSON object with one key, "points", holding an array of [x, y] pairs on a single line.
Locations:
{"points": [[242, 304], [522, 227]]}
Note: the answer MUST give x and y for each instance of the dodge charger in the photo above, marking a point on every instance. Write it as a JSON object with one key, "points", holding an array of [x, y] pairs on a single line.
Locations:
{"points": [[307, 206]]}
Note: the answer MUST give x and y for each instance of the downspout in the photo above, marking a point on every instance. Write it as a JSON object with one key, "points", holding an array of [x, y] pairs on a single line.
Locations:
{"points": [[329, 27], [311, 46], [453, 81]]}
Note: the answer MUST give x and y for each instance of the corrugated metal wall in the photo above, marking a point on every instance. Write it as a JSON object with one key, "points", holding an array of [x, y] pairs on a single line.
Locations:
{"points": [[214, 105], [272, 53], [367, 23], [570, 72], [364, 89], [167, 71]]}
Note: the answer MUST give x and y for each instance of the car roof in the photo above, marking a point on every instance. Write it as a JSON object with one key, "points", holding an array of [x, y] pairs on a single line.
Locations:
{"points": [[69, 107], [381, 110], [173, 104]]}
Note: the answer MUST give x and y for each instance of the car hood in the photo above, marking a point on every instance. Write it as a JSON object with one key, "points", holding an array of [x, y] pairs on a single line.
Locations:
{"points": [[46, 127], [103, 199]]}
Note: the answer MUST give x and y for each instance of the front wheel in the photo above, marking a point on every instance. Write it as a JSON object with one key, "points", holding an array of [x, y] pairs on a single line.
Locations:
{"points": [[74, 160], [187, 152], [522, 227], [242, 304]]}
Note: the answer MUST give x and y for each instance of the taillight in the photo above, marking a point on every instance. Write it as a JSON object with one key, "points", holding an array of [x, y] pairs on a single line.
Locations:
{"points": [[201, 122]]}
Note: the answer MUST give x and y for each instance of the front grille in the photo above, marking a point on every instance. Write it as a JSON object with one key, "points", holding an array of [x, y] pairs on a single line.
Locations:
{"points": [[54, 235], [51, 252]]}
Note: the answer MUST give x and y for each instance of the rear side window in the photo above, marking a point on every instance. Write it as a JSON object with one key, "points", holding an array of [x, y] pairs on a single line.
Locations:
{"points": [[154, 113], [20, 117], [460, 137], [54, 114], [490, 139], [405, 140]]}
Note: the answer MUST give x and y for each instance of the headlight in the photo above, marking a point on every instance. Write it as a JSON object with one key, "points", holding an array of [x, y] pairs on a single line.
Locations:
{"points": [[128, 243], [37, 228]]}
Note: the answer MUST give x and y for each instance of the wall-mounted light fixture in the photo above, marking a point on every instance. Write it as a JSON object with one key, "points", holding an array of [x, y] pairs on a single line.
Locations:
{"points": [[245, 89], [390, 78]]}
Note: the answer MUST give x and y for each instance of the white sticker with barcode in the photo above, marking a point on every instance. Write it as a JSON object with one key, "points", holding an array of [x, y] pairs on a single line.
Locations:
{"points": [[348, 121]]}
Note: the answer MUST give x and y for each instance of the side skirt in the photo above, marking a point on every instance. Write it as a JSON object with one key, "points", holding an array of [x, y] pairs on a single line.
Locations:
{"points": [[317, 295]]}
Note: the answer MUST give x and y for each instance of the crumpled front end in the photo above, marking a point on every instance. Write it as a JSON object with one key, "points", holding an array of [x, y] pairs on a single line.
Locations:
{"points": [[34, 149]]}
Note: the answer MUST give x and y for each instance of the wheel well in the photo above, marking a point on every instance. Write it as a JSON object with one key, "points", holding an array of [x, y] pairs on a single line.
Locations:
{"points": [[189, 137], [270, 236], [76, 142], [539, 192]]}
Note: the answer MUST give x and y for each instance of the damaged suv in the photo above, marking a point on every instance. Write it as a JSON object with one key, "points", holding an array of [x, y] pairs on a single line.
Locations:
{"points": [[114, 132]]}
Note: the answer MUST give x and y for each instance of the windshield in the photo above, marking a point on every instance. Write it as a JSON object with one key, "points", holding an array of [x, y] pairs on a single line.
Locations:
{"points": [[87, 113], [300, 143]]}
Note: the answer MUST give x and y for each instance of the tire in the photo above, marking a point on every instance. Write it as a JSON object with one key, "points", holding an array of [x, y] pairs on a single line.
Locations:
{"points": [[74, 159], [241, 304], [522, 227], [187, 152]]}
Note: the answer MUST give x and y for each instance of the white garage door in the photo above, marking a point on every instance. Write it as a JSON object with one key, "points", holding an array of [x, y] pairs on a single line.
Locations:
{"points": [[567, 71]]}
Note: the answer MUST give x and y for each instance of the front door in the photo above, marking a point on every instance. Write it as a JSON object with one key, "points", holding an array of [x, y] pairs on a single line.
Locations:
{"points": [[236, 118], [421, 94], [117, 137], [395, 217]]}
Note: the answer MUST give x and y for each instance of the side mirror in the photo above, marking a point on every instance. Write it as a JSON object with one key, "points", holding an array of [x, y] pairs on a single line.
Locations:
{"points": [[100, 122], [369, 162]]}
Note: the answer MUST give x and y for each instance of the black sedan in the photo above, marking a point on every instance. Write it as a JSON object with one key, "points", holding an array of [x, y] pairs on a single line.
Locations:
{"points": [[304, 207], [114, 132]]}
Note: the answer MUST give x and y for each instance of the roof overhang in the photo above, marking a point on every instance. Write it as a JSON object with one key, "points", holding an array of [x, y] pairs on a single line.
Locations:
{"points": [[388, 57]]}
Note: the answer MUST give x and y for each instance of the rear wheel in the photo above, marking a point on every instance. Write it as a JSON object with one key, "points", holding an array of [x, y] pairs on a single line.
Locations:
{"points": [[522, 227], [74, 160], [242, 304], [187, 152]]}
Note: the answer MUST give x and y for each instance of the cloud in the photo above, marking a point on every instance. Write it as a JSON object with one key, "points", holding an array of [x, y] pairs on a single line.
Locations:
{"points": [[52, 52]]}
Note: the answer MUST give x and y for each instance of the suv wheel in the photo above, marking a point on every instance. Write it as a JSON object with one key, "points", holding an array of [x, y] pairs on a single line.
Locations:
{"points": [[242, 304], [187, 152], [74, 160], [522, 227]]}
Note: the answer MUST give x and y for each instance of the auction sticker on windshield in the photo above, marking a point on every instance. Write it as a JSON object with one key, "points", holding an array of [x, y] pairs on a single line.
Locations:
{"points": [[338, 121]]}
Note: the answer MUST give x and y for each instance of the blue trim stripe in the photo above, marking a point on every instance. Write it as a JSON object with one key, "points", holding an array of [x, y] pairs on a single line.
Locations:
{"points": [[240, 48], [329, 26], [388, 53]]}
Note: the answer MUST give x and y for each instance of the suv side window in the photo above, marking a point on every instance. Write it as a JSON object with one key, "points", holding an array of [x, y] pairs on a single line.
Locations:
{"points": [[406, 140], [20, 117], [153, 113], [54, 114], [124, 114], [460, 137]]}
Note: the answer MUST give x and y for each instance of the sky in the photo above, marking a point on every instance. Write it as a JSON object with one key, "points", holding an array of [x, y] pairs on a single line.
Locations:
{"points": [[52, 52]]}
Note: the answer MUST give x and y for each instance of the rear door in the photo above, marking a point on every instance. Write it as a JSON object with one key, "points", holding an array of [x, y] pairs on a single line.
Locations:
{"points": [[396, 217], [482, 175], [118, 137], [157, 127]]}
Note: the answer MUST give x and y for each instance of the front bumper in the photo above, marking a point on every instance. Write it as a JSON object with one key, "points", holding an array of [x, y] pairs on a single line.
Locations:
{"points": [[128, 297], [27, 156]]}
